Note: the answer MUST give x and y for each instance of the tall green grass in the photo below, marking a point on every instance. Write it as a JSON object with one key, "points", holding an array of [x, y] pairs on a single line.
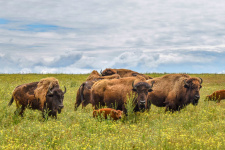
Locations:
{"points": [[200, 127]]}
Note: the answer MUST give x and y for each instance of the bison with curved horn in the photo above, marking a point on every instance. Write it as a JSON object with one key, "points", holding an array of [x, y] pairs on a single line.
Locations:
{"points": [[113, 93], [175, 91], [45, 96]]}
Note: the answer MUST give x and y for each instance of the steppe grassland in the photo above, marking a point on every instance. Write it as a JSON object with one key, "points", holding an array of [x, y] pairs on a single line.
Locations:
{"points": [[200, 127]]}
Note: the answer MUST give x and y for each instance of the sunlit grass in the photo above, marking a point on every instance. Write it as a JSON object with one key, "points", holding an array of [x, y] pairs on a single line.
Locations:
{"points": [[200, 127]]}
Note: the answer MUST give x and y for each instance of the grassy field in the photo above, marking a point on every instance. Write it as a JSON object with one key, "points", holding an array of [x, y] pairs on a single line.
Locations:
{"points": [[200, 127]]}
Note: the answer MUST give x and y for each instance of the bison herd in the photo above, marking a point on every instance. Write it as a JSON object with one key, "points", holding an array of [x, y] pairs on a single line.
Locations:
{"points": [[112, 88]]}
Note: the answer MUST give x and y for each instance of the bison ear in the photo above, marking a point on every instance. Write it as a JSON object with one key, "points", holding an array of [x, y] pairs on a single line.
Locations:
{"points": [[135, 90], [186, 85], [150, 90], [50, 94], [114, 111]]}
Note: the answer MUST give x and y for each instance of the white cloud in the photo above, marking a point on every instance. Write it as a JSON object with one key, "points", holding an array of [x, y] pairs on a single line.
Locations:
{"points": [[99, 34]]}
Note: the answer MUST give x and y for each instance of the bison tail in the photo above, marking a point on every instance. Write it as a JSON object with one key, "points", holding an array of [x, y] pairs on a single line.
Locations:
{"points": [[81, 92], [11, 101]]}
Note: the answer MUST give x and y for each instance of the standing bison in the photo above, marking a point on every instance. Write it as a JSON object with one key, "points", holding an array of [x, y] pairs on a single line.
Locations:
{"points": [[113, 93], [84, 91], [24, 95], [174, 91], [123, 73]]}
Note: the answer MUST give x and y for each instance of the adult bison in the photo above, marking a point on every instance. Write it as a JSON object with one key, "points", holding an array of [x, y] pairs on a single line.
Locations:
{"points": [[113, 93], [174, 91], [24, 95], [123, 73], [84, 91]]}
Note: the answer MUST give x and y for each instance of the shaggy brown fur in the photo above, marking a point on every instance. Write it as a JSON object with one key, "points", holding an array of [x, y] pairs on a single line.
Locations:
{"points": [[216, 96], [174, 91], [84, 92], [43, 86], [123, 73], [24, 97], [108, 112], [114, 92], [93, 76]]}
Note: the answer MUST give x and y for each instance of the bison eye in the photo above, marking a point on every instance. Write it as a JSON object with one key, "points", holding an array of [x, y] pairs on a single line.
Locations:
{"points": [[200, 86]]}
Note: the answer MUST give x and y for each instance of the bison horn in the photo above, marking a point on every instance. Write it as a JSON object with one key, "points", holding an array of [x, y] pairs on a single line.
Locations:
{"points": [[201, 80], [49, 90], [101, 71], [133, 85], [64, 90], [152, 84], [186, 82]]}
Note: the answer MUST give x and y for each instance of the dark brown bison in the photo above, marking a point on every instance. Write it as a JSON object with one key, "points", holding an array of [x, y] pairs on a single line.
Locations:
{"points": [[123, 73], [84, 94], [108, 112], [216, 96], [174, 91], [24, 97], [113, 93], [84, 91]]}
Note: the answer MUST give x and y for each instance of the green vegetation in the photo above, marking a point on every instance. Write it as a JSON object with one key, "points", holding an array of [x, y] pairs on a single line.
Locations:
{"points": [[200, 127]]}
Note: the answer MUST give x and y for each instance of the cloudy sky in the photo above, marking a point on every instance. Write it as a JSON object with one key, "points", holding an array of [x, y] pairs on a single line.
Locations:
{"points": [[78, 36]]}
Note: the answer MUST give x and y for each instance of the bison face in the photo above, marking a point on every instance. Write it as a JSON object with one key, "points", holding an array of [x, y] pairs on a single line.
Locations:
{"points": [[108, 72], [54, 100], [118, 114], [142, 89], [193, 86]]}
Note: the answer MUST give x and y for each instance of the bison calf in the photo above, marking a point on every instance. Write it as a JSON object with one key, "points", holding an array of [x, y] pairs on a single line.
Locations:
{"points": [[112, 113], [216, 96]]}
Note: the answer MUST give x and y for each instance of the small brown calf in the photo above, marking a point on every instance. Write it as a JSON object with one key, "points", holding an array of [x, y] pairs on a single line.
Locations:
{"points": [[112, 113], [216, 96]]}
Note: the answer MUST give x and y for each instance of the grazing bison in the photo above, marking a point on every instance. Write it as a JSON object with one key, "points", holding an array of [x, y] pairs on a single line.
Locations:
{"points": [[216, 96], [113, 93], [25, 97], [108, 112], [174, 91], [84, 91], [123, 73]]}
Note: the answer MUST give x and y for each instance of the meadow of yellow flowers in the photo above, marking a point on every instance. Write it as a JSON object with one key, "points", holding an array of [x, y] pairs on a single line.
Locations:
{"points": [[194, 127]]}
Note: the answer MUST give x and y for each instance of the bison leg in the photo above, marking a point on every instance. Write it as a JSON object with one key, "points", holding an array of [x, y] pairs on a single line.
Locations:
{"points": [[77, 104], [19, 111]]}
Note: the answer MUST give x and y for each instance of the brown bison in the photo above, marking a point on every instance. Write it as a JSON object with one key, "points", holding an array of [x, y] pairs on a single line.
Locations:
{"points": [[95, 76], [123, 73], [25, 97], [174, 91], [113, 93], [108, 112], [84, 91], [84, 94], [216, 96]]}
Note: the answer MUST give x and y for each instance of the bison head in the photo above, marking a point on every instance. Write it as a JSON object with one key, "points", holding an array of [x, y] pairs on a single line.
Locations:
{"points": [[193, 86], [117, 114], [54, 101], [108, 71], [142, 89]]}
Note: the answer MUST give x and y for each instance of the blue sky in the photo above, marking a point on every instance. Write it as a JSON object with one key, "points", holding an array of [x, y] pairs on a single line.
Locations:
{"points": [[69, 36]]}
